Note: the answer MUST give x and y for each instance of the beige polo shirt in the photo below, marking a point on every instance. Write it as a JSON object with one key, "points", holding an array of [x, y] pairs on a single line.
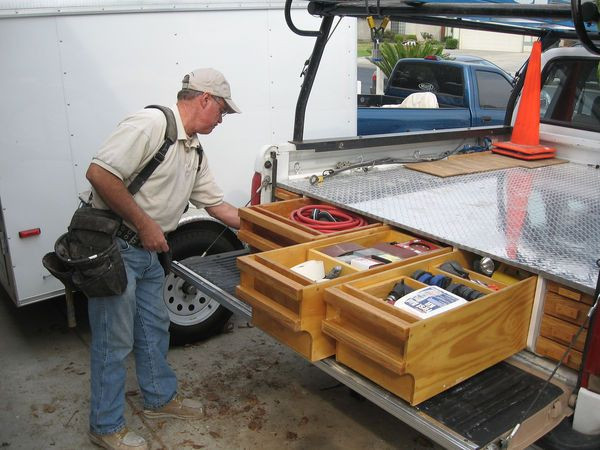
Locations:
{"points": [[165, 194]]}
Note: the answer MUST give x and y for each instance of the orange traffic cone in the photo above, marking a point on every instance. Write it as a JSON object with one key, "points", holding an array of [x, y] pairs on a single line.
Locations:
{"points": [[525, 140]]}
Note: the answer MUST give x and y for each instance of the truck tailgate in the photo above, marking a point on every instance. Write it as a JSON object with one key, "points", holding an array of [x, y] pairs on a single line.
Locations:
{"points": [[472, 414]]}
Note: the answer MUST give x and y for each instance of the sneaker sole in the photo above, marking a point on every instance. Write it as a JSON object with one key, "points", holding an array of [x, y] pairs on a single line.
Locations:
{"points": [[100, 443], [96, 441], [162, 415]]}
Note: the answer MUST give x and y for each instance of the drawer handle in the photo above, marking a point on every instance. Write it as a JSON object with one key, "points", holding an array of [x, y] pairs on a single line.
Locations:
{"points": [[569, 294], [562, 334], [365, 346], [279, 313], [272, 278], [367, 313], [567, 311]]}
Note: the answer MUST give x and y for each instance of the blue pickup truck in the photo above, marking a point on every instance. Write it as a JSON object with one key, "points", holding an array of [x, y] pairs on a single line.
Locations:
{"points": [[461, 93]]}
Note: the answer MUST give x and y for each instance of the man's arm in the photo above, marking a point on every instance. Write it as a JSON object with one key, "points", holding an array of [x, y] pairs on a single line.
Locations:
{"points": [[117, 197], [226, 213]]}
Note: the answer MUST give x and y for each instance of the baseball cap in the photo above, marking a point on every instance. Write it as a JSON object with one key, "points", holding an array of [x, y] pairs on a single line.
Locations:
{"points": [[212, 82]]}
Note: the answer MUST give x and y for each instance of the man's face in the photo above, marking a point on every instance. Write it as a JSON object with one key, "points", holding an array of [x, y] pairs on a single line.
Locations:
{"points": [[209, 112]]}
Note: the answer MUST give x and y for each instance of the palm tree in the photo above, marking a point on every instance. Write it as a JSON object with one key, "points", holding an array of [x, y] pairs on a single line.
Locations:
{"points": [[392, 52]]}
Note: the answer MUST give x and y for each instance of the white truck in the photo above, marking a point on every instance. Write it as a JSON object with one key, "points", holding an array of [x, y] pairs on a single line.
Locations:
{"points": [[71, 70], [542, 220]]}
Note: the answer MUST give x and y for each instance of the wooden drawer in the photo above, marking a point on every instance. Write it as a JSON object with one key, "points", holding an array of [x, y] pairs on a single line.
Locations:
{"points": [[289, 306], [566, 309], [419, 358], [569, 293], [268, 227], [554, 350], [562, 332]]}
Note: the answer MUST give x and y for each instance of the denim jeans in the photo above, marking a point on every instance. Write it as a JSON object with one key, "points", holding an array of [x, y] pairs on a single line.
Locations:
{"points": [[136, 320]]}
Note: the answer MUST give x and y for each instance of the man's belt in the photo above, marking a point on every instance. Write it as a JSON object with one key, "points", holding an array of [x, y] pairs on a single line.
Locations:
{"points": [[129, 236]]}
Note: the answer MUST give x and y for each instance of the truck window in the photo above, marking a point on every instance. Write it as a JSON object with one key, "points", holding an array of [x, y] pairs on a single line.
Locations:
{"points": [[494, 89], [442, 79], [571, 94]]}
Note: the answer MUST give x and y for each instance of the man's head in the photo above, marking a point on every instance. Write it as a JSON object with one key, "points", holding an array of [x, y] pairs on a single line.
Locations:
{"points": [[205, 96]]}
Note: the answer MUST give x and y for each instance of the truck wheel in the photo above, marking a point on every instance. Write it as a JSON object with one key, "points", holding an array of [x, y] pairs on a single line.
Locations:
{"points": [[194, 316]]}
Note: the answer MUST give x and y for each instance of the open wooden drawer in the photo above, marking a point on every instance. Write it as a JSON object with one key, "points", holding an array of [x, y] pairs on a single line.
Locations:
{"points": [[289, 306], [419, 358], [268, 227]]}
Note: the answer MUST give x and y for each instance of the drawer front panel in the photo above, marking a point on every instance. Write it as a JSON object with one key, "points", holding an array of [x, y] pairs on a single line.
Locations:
{"points": [[565, 309], [555, 351], [562, 332]]}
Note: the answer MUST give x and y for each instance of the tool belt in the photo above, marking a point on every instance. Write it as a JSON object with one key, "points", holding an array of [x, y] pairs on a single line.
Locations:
{"points": [[88, 258], [129, 236], [132, 238]]}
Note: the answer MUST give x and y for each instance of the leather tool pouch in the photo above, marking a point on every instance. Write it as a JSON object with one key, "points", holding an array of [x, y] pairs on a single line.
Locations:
{"points": [[88, 258]]}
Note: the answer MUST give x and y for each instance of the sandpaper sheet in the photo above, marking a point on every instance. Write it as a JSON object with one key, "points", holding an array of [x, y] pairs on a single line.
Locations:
{"points": [[477, 162]]}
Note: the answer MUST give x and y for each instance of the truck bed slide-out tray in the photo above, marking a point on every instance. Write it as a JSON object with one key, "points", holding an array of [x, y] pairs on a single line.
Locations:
{"points": [[469, 415]]}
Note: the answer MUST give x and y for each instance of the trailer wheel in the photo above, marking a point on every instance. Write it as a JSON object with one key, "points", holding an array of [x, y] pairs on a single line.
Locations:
{"points": [[194, 316]]}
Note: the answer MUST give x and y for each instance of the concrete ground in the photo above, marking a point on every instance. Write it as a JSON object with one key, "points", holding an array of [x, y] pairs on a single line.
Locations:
{"points": [[257, 393]]}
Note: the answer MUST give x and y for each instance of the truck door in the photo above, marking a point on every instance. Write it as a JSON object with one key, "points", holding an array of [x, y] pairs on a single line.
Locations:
{"points": [[491, 97]]}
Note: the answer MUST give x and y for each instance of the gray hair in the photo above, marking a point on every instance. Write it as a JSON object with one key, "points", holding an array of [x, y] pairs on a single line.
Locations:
{"points": [[188, 94]]}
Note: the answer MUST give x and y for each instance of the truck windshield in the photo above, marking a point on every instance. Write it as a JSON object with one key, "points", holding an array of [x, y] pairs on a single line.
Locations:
{"points": [[571, 94], [444, 80]]}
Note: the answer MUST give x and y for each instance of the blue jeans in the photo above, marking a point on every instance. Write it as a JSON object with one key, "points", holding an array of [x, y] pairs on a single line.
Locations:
{"points": [[136, 320]]}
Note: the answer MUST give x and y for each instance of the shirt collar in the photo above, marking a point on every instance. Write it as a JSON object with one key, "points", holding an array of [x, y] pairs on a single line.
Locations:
{"points": [[190, 142]]}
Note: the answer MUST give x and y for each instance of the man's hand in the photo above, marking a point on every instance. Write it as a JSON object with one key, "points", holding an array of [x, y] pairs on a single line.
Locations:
{"points": [[152, 237]]}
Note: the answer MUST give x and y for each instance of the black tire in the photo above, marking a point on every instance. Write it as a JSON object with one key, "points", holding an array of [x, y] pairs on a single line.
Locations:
{"points": [[194, 316]]}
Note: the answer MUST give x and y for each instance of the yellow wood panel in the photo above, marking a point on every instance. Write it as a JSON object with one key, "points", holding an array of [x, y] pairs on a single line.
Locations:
{"points": [[261, 302], [440, 351], [377, 352], [401, 385], [554, 350], [477, 162], [562, 332], [446, 349], [568, 292], [566, 309], [284, 194]]}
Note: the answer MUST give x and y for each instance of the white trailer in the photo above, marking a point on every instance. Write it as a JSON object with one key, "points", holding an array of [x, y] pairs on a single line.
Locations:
{"points": [[72, 70]]}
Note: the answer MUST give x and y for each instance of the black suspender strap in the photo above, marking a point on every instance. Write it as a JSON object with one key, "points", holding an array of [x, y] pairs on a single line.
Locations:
{"points": [[170, 138]]}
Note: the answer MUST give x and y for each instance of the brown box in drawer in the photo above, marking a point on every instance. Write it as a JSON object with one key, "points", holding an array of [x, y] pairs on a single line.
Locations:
{"points": [[268, 227], [566, 309], [562, 332], [417, 359], [289, 306], [554, 350]]}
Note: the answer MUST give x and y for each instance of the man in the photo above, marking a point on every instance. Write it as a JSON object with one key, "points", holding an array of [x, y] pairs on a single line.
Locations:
{"points": [[138, 319]]}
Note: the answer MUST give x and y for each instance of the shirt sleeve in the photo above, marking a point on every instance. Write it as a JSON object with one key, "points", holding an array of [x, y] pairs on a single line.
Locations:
{"points": [[123, 153], [205, 192]]}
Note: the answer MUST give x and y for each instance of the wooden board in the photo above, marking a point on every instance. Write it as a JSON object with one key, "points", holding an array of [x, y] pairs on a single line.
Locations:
{"points": [[477, 162]]}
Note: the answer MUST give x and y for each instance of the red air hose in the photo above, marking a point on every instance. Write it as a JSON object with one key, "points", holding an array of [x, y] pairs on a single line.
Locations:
{"points": [[343, 220]]}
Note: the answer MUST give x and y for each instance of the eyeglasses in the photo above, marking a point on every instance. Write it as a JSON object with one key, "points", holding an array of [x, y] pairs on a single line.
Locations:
{"points": [[222, 107]]}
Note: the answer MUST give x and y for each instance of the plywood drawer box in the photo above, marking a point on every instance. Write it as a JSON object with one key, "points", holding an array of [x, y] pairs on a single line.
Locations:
{"points": [[268, 227], [289, 306], [419, 358]]}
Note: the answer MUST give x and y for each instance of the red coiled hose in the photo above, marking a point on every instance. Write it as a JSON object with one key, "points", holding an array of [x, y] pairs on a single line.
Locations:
{"points": [[344, 220]]}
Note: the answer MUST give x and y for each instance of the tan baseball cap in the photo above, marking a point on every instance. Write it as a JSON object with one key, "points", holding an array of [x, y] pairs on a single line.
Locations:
{"points": [[213, 82]]}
